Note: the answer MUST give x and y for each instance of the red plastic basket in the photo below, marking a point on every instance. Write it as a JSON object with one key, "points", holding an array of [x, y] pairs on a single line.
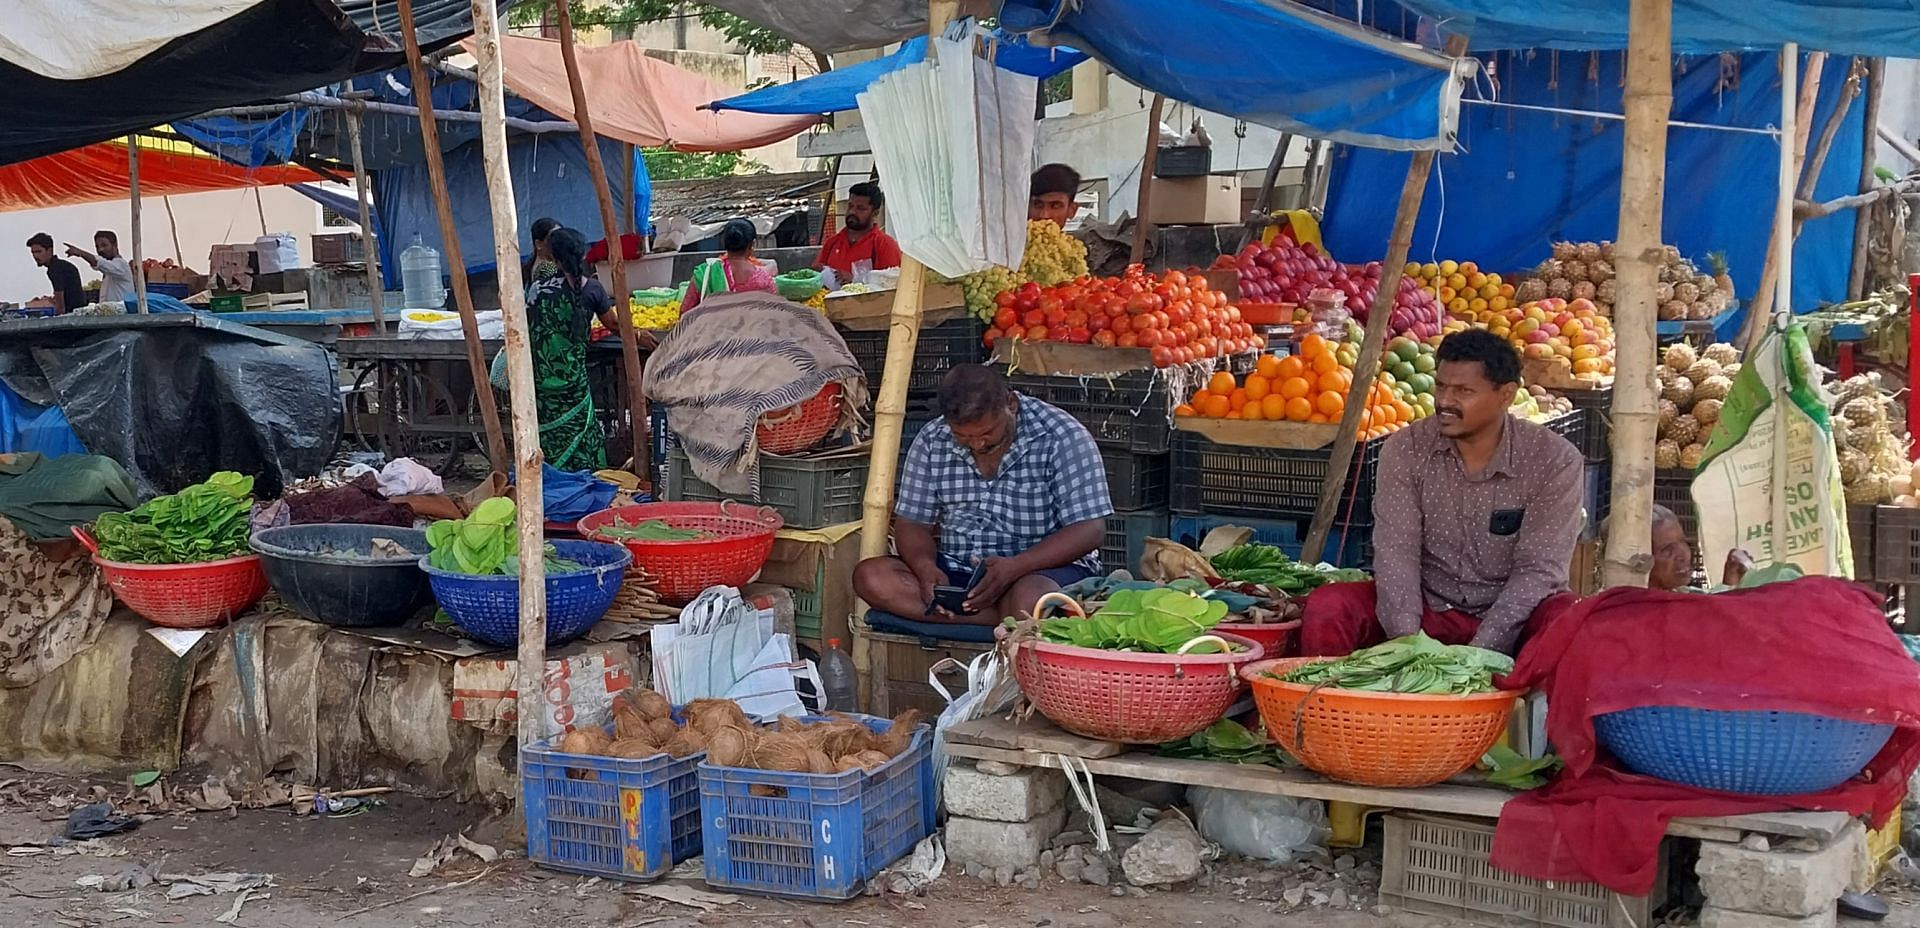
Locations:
{"points": [[203, 595], [1127, 696], [1277, 639], [681, 570], [799, 427]]}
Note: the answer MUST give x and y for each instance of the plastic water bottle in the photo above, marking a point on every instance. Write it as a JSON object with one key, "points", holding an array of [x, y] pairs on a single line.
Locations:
{"points": [[838, 679], [420, 276]]}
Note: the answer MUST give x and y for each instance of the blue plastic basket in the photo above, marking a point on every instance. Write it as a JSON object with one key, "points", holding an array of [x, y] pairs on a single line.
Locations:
{"points": [[628, 819], [815, 836], [488, 607], [1741, 751]]}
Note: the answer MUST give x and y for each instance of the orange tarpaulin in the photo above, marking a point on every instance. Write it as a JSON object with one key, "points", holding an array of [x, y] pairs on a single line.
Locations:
{"points": [[637, 99], [94, 173]]}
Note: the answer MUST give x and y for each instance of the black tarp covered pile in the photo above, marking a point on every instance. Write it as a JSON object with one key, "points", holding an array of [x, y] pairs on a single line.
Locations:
{"points": [[174, 398]]}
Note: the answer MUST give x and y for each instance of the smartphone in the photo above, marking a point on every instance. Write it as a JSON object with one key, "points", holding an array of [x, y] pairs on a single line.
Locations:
{"points": [[954, 598]]}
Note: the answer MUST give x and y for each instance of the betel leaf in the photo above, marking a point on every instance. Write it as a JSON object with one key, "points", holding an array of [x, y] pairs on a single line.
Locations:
{"points": [[1507, 768], [1412, 664], [204, 522], [481, 543], [1157, 620]]}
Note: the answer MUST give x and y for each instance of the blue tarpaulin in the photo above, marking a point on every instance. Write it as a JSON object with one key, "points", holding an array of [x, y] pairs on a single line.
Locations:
{"points": [[1527, 179], [1888, 28], [247, 142], [1278, 64], [834, 91]]}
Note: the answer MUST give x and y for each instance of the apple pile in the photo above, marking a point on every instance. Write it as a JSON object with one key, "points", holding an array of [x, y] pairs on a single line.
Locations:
{"points": [[1286, 272]]}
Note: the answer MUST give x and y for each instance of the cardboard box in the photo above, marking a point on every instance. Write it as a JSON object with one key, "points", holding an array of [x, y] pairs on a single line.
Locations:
{"points": [[1180, 201], [817, 566]]}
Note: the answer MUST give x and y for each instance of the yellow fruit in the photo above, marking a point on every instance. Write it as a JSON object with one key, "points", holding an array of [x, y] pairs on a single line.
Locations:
{"points": [[1448, 267]]}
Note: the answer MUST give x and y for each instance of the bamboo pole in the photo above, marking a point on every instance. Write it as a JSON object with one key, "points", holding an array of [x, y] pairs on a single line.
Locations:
{"points": [[616, 255], [1863, 220], [1147, 164], [1796, 123], [133, 190], [173, 227], [1648, 99], [530, 509], [889, 410], [376, 292], [1368, 363], [450, 242]]}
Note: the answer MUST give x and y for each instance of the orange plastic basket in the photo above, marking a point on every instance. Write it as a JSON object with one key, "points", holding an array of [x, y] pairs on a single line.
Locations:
{"points": [[1130, 697], [1376, 739], [799, 427]]}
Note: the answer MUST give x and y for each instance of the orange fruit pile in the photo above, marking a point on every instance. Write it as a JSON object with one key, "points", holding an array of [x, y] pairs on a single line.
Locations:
{"points": [[1310, 386]]}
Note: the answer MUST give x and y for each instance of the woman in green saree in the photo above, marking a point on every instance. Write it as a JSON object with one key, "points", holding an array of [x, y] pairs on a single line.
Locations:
{"points": [[560, 310]]}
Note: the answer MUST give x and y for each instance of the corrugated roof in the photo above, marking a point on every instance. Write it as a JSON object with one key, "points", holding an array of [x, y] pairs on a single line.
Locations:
{"points": [[705, 201]]}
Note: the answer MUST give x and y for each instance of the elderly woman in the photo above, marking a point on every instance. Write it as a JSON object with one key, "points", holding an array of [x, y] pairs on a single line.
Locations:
{"points": [[1673, 556]]}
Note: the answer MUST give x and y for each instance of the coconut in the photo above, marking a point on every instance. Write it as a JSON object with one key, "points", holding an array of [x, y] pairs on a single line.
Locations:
{"points": [[628, 722], [871, 759], [584, 741], [652, 705], [685, 743], [819, 762], [632, 748], [781, 752], [663, 730], [727, 747], [850, 762], [900, 734], [709, 715]]}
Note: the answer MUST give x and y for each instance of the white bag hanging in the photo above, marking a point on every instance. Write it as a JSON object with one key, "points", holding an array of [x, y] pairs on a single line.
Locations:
{"points": [[990, 688]]}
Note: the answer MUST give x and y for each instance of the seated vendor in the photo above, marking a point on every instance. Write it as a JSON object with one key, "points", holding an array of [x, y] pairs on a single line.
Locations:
{"points": [[1476, 514], [1050, 194], [1001, 483], [1673, 556]]}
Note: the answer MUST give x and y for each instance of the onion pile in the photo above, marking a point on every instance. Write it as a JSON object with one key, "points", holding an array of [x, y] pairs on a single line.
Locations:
{"points": [[1288, 273]]}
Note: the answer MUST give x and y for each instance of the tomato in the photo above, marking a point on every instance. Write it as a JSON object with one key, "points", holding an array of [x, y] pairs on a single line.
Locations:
{"points": [[1162, 356], [1098, 322], [1076, 319], [1178, 313], [1232, 311], [1057, 333], [1140, 304], [1079, 335], [1005, 318], [1176, 278], [1122, 324], [1183, 355], [1127, 340], [1030, 290], [1151, 338], [1003, 299], [1037, 333], [1033, 317], [1104, 339], [993, 335]]}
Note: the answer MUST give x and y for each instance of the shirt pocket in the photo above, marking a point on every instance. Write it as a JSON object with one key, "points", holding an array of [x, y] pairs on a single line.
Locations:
{"points": [[1499, 531]]}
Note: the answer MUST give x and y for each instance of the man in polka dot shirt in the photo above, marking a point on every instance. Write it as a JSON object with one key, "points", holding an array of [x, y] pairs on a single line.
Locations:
{"points": [[1476, 514]]}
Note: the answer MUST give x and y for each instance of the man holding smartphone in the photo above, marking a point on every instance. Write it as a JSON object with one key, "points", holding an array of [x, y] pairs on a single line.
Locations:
{"points": [[1003, 493]]}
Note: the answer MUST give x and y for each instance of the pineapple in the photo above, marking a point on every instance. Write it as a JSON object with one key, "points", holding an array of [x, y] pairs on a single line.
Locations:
{"points": [[1680, 357], [1666, 455], [1674, 309], [1707, 412], [1587, 251], [1680, 391], [1722, 354], [1670, 255], [1606, 250], [1600, 271], [1700, 309], [1864, 415], [1842, 433], [1853, 466], [1606, 291], [1706, 283], [1668, 412], [1560, 288], [1871, 489], [1702, 369], [1575, 271], [1713, 388], [1684, 431], [1665, 375], [1531, 290], [1565, 251], [1686, 291], [1691, 454], [1859, 386], [1584, 290], [1663, 293], [1718, 300], [1723, 283], [1549, 269]]}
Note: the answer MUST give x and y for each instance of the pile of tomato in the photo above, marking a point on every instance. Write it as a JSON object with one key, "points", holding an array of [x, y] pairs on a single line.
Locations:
{"points": [[1175, 316]]}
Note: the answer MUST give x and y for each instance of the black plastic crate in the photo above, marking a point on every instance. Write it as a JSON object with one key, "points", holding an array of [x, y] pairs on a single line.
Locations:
{"points": [[1863, 523], [1136, 481], [1266, 483], [1596, 442], [1126, 540], [1183, 161], [1896, 545], [1599, 498], [808, 492], [1571, 426], [939, 349], [1126, 412], [1347, 545]]}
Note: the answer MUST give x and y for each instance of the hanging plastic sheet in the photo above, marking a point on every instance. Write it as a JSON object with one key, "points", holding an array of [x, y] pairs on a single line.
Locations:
{"points": [[1889, 28], [836, 90], [246, 141], [1279, 64]]}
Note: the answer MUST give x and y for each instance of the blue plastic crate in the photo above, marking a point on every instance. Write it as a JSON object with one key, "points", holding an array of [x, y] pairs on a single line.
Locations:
{"points": [[1347, 545], [1755, 752], [610, 816], [815, 836]]}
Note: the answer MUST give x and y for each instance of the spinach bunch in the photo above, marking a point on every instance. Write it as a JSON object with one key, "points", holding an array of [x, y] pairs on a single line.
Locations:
{"points": [[204, 522], [1158, 620], [1413, 664], [1269, 566]]}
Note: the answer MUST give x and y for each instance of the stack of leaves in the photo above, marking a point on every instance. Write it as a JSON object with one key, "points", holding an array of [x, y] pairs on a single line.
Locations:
{"points": [[651, 530], [1229, 742], [1158, 621], [1507, 768], [485, 543], [204, 522], [1269, 566], [1413, 664]]}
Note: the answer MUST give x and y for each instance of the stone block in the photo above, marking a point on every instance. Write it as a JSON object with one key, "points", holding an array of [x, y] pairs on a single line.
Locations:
{"points": [[1018, 797], [1715, 917], [1778, 882], [988, 844]]}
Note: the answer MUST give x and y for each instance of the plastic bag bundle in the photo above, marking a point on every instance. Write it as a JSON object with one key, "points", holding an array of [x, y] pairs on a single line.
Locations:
{"points": [[953, 138]]}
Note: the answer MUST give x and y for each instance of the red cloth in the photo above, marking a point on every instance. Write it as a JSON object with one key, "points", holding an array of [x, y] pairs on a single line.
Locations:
{"points": [[840, 252], [629, 248], [1339, 619], [1817, 645]]}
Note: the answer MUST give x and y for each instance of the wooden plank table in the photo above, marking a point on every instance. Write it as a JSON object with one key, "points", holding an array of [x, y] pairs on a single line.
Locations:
{"points": [[1037, 742]]}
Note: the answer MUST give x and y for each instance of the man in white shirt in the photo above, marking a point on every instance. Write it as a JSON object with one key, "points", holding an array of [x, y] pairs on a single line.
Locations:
{"points": [[116, 275]]}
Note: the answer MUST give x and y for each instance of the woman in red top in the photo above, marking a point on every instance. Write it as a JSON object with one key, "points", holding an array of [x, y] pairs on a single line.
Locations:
{"points": [[862, 239]]}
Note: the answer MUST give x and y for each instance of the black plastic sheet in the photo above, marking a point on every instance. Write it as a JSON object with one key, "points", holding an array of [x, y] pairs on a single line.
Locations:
{"points": [[175, 398]]}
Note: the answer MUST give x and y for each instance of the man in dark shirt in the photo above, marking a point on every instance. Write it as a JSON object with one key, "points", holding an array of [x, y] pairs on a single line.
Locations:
{"points": [[67, 293], [862, 239]]}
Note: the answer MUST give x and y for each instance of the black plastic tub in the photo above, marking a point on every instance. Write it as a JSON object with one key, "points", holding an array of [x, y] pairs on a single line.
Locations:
{"points": [[329, 574]]}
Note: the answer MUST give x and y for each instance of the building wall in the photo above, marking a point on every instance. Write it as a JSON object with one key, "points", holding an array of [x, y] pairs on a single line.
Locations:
{"points": [[202, 219]]}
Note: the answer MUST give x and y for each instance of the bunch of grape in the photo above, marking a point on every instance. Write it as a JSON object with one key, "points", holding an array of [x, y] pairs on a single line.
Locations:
{"points": [[982, 286], [1053, 256]]}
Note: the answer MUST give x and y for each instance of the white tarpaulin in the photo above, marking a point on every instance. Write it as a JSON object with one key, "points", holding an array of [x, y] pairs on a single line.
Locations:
{"points": [[74, 40]]}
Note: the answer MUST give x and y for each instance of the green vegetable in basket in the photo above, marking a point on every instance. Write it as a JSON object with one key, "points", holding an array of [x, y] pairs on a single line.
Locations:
{"points": [[485, 543], [1413, 664], [651, 530], [1506, 768], [204, 522], [1157, 621], [1269, 566]]}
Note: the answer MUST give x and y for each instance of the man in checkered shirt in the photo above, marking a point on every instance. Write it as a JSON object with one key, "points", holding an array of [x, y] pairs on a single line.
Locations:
{"points": [[1001, 485]]}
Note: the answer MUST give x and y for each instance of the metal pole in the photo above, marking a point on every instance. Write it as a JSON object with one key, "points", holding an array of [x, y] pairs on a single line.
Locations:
{"points": [[1783, 198], [133, 187]]}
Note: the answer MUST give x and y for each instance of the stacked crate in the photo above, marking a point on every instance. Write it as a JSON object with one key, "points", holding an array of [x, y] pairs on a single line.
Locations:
{"points": [[1274, 491]]}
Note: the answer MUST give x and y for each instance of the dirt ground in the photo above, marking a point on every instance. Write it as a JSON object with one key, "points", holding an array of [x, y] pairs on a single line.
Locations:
{"points": [[352, 872]]}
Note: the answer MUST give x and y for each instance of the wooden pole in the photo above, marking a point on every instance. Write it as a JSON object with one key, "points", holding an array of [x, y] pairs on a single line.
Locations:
{"points": [[1262, 202], [260, 207], [530, 511], [1863, 221], [1147, 164], [1368, 363], [133, 191], [179, 257], [1648, 99], [616, 256], [890, 408], [1796, 123], [450, 242], [376, 292]]}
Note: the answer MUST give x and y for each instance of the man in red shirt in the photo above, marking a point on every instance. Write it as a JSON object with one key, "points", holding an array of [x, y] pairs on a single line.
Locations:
{"points": [[862, 239]]}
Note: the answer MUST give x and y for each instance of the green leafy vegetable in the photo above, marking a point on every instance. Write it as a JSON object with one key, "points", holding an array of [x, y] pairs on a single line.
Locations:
{"points": [[204, 522], [1157, 620], [1229, 742], [1413, 664], [485, 543], [1270, 566], [651, 530], [1508, 769]]}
